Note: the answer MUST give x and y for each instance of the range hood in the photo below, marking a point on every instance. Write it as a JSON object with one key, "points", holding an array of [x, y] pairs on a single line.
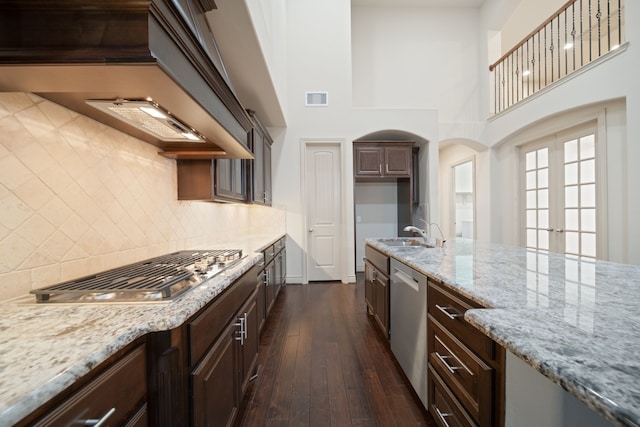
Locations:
{"points": [[119, 61]]}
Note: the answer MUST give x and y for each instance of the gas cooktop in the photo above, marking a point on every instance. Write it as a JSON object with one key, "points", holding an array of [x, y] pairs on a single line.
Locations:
{"points": [[157, 279]]}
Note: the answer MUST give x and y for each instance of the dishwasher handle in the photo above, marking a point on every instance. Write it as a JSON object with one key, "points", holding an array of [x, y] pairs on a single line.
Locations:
{"points": [[406, 279]]}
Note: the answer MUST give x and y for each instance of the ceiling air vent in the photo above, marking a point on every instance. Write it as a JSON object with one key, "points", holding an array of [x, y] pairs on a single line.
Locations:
{"points": [[316, 99]]}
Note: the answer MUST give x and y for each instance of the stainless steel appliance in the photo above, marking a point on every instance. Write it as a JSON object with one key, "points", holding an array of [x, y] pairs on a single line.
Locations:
{"points": [[157, 279], [408, 324]]}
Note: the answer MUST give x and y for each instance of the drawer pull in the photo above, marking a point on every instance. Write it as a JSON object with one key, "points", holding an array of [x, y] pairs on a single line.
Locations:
{"points": [[445, 310], [101, 421], [443, 359], [444, 416]]}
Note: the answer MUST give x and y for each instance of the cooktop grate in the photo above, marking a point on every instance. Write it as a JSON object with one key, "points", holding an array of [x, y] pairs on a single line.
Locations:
{"points": [[164, 276]]}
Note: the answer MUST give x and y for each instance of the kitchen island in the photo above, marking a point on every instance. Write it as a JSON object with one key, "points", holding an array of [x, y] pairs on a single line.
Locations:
{"points": [[575, 322], [45, 349]]}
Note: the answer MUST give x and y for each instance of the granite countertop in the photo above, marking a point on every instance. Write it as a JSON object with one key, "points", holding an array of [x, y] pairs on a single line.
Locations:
{"points": [[46, 348], [576, 322]]}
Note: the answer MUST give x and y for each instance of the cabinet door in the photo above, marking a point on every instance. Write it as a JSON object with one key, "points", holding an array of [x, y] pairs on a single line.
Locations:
{"points": [[249, 343], [381, 285], [214, 383], [261, 309], [270, 272], [397, 162], [258, 193], [230, 180], [267, 173], [368, 161], [369, 290]]}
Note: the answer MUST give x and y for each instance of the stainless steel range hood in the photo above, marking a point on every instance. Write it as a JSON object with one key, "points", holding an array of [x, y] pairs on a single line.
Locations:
{"points": [[83, 54]]}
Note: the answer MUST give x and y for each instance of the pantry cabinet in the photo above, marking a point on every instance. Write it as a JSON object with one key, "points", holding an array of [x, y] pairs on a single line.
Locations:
{"points": [[260, 166]]}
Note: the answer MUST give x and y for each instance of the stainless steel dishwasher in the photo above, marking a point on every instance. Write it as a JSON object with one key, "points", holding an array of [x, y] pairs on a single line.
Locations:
{"points": [[408, 324]]}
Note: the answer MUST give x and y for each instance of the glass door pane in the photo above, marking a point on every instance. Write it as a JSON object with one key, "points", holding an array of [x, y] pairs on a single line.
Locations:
{"points": [[537, 198], [580, 196], [464, 200]]}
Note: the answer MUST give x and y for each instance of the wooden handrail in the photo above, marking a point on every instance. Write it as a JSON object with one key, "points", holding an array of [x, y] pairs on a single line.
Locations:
{"points": [[531, 34]]}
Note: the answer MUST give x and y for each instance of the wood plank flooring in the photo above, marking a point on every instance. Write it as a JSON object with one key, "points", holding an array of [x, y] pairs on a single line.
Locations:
{"points": [[322, 363]]}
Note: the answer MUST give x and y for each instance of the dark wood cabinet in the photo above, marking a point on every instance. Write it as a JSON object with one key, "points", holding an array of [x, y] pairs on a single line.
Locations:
{"points": [[213, 381], [223, 342], [466, 368], [379, 160], [116, 393], [272, 276], [377, 287], [260, 166], [213, 180], [230, 180]]}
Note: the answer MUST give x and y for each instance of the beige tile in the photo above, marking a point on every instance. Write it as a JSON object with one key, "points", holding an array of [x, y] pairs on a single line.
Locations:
{"points": [[34, 193], [35, 157], [56, 179], [90, 242], [56, 211], [36, 230], [14, 250], [74, 269], [74, 227], [38, 258], [35, 122], [12, 102], [79, 202], [13, 173], [45, 276], [57, 115], [13, 212], [56, 246], [75, 253], [14, 284]]}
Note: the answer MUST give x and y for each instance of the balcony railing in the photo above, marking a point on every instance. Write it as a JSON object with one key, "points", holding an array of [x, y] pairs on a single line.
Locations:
{"points": [[577, 34]]}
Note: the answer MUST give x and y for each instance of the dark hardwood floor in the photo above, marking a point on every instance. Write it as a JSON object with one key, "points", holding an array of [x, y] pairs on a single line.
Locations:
{"points": [[322, 363]]}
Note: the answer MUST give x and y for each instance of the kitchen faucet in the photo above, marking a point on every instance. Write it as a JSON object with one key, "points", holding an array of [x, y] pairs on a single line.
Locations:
{"points": [[442, 239], [423, 233]]}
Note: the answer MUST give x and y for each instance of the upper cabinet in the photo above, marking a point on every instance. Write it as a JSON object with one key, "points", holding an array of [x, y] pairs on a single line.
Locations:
{"points": [[379, 160], [260, 167]]}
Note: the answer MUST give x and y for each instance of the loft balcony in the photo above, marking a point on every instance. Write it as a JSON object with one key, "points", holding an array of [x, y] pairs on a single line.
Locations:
{"points": [[578, 34]]}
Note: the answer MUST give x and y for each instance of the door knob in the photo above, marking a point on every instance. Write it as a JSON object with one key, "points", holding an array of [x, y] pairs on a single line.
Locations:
{"points": [[310, 230]]}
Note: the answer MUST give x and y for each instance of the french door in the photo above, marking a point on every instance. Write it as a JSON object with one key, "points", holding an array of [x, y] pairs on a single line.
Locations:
{"points": [[560, 193]]}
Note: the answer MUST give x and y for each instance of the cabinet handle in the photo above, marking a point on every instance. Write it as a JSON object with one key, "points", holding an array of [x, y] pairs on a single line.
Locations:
{"points": [[100, 421], [443, 359], [261, 264], [241, 332], [452, 316], [443, 416], [245, 326]]}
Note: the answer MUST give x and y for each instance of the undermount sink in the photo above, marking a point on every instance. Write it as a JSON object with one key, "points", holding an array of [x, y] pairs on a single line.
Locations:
{"points": [[406, 242]]}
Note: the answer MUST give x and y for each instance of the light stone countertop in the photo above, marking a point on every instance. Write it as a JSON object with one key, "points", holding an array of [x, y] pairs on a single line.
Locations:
{"points": [[46, 348], [576, 322]]}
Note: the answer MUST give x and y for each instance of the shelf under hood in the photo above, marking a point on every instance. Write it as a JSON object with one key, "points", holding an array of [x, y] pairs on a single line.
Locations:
{"points": [[73, 51]]}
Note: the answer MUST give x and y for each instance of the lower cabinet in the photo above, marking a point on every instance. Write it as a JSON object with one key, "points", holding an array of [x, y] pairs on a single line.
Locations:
{"points": [[466, 368], [116, 395], [376, 273], [223, 343]]}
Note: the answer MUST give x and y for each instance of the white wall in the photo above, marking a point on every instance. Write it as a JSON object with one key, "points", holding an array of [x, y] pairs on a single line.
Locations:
{"points": [[525, 18], [319, 58], [376, 210]]}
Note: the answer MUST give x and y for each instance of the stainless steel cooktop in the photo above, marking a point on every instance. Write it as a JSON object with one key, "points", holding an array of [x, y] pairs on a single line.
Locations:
{"points": [[157, 279]]}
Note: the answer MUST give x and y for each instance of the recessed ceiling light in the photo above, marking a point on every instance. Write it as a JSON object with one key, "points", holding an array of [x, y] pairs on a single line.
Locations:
{"points": [[526, 73], [568, 46]]}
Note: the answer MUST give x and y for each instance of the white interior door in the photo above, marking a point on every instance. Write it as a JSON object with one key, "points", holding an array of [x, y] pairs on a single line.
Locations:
{"points": [[324, 210]]}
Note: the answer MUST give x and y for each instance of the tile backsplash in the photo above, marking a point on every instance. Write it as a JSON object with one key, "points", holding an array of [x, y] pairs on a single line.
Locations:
{"points": [[78, 197]]}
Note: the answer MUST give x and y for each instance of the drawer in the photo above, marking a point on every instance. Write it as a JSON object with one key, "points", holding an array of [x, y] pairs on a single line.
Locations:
{"points": [[468, 377], [379, 260], [206, 326], [121, 388], [443, 405], [448, 309]]}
